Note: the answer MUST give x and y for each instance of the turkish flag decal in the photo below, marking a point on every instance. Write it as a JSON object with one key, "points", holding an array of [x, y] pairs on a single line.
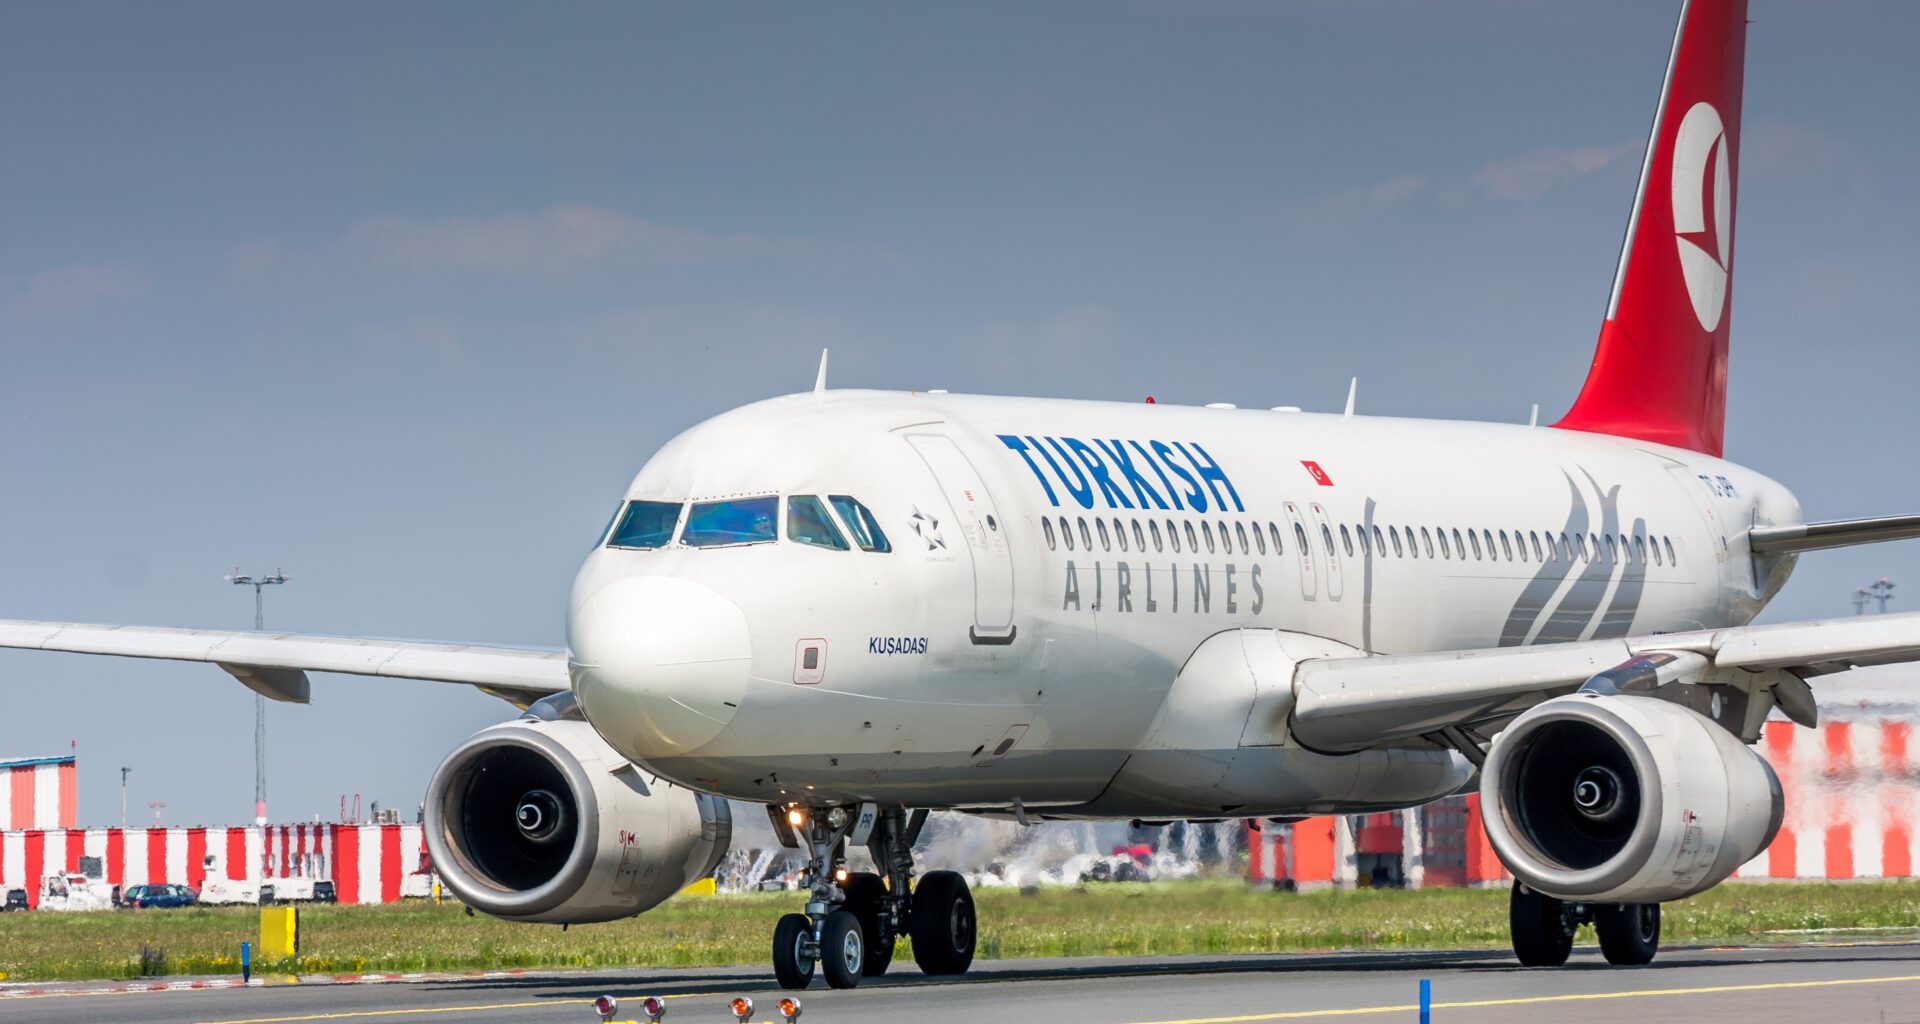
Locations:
{"points": [[1319, 475]]}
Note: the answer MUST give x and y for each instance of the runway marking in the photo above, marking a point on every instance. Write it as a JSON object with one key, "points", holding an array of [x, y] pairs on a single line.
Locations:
{"points": [[1358, 1011], [347, 1014]]}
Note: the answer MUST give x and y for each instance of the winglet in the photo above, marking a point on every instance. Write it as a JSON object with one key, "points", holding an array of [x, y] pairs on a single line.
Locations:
{"points": [[820, 379]]}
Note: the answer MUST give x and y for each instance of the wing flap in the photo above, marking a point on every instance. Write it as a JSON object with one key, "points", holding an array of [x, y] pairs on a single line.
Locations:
{"points": [[1346, 704], [275, 663]]}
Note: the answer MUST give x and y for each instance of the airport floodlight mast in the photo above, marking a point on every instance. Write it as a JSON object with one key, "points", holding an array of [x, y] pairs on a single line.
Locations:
{"points": [[259, 700], [1880, 590]]}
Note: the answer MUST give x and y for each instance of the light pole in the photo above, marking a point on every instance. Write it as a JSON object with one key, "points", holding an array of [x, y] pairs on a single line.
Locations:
{"points": [[123, 795], [259, 700]]}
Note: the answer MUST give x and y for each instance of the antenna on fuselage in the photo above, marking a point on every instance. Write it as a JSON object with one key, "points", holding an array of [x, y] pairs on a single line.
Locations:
{"points": [[1353, 390], [820, 379], [1534, 419]]}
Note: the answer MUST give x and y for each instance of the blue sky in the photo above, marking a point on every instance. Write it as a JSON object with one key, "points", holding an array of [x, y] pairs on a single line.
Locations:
{"points": [[398, 297]]}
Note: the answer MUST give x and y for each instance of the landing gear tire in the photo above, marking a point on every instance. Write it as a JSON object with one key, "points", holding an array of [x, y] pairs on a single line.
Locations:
{"points": [[1541, 928], [944, 925], [1629, 932], [792, 966], [843, 949], [866, 900]]}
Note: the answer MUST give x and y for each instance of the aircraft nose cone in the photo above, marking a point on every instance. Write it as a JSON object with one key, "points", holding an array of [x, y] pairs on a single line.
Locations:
{"points": [[659, 663]]}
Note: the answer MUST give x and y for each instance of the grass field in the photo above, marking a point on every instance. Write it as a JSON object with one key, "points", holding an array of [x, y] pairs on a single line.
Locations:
{"points": [[1132, 919]]}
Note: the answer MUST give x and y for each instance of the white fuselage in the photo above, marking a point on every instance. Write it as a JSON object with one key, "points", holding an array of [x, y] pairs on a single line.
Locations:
{"points": [[1025, 646]]}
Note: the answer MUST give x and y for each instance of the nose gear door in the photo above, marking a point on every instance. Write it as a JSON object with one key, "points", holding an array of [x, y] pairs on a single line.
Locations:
{"points": [[978, 520]]}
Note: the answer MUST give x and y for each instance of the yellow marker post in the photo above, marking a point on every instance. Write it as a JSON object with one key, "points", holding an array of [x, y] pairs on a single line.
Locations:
{"points": [[279, 933], [704, 887]]}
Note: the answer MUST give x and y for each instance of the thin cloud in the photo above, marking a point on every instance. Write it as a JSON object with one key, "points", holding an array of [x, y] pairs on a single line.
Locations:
{"points": [[1531, 175], [252, 259], [74, 290], [1071, 336], [556, 241]]}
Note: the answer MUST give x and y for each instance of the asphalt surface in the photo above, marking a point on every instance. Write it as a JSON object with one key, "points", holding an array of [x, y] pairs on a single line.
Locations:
{"points": [[1830, 984]]}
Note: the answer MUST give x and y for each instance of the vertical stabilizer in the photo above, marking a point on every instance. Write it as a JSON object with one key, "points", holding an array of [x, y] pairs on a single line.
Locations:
{"points": [[1660, 370]]}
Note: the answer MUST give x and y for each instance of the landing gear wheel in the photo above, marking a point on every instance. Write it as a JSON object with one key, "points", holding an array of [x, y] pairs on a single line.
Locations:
{"points": [[866, 900], [943, 924], [792, 967], [1541, 928], [1629, 932], [843, 949]]}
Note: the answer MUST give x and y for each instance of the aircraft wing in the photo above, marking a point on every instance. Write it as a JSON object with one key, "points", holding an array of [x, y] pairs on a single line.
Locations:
{"points": [[1347, 704], [276, 664], [1776, 540]]}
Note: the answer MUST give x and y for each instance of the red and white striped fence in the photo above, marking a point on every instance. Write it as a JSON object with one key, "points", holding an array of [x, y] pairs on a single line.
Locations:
{"points": [[366, 863]]}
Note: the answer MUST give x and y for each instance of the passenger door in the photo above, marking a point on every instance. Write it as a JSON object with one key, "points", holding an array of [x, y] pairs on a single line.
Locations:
{"points": [[1303, 550], [1336, 582], [977, 519]]}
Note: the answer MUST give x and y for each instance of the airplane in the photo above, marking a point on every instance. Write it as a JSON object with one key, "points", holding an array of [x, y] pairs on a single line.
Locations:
{"points": [[855, 607]]}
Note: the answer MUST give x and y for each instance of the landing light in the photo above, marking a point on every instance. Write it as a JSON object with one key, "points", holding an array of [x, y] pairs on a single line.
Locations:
{"points": [[840, 873], [606, 1007], [790, 1009], [796, 817], [742, 1008]]}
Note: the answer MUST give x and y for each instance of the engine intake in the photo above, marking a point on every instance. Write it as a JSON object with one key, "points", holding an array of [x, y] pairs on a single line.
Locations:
{"points": [[540, 820], [1627, 799]]}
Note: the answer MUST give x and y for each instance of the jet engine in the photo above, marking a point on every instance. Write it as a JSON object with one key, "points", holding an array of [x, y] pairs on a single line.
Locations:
{"points": [[1613, 798], [540, 820]]}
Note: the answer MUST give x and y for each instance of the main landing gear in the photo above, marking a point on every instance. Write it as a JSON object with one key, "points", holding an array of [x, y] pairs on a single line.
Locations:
{"points": [[853, 919], [1543, 928]]}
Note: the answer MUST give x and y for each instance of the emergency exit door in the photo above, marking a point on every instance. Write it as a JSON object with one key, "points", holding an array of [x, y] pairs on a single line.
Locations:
{"points": [[979, 523]]}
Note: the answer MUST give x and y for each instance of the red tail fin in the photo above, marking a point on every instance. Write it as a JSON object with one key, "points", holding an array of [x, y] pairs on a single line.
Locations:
{"points": [[1660, 372]]}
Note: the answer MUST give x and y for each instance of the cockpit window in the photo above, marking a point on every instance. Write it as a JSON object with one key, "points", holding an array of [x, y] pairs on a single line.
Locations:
{"points": [[737, 521], [860, 522], [808, 523], [645, 524]]}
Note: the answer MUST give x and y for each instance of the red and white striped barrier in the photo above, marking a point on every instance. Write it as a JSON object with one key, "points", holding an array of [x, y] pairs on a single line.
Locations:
{"points": [[366, 863], [38, 792]]}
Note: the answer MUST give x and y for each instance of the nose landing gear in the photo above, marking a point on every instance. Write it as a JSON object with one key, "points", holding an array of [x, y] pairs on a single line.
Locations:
{"points": [[854, 919]]}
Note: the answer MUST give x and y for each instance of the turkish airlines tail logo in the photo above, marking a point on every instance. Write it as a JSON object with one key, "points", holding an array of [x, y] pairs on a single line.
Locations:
{"points": [[1702, 210]]}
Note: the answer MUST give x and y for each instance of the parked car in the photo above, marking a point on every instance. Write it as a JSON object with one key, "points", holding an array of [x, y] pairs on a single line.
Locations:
{"points": [[323, 892], [16, 900], [159, 896]]}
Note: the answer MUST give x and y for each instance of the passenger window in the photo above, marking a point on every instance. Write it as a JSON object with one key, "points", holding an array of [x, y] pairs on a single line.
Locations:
{"points": [[808, 523], [713, 524], [1240, 534], [1300, 538], [1206, 530], [1139, 539], [1173, 536], [1506, 548], [1193, 540], [1672, 559], [1613, 553], [646, 525], [1476, 544], [1395, 534], [1153, 527], [1445, 552], [1120, 534], [1066, 533], [1379, 542], [1487, 536], [867, 535], [1273, 534], [1580, 540], [1106, 543], [1086, 535], [1046, 527], [1326, 538], [1346, 540], [1460, 546], [1656, 551], [1259, 539]]}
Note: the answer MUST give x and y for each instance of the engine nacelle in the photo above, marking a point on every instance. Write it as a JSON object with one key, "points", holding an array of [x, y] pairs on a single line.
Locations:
{"points": [[540, 820], [1611, 798]]}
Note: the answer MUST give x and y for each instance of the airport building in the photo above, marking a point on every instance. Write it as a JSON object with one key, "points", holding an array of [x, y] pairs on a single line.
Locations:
{"points": [[38, 792]]}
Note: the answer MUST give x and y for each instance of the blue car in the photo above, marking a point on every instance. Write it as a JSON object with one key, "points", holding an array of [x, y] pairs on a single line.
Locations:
{"points": [[159, 896]]}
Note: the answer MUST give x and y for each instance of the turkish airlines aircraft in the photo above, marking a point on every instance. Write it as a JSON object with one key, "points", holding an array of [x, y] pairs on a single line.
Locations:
{"points": [[855, 606]]}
